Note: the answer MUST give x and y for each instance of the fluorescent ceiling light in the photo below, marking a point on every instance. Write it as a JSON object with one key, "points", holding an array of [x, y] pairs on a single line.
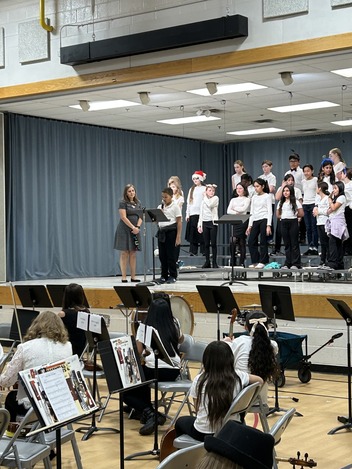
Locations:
{"points": [[189, 120], [101, 105], [344, 72], [303, 107], [343, 123], [226, 89], [269, 130]]}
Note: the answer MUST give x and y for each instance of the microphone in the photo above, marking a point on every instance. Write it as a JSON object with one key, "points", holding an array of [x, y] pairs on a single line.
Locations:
{"points": [[337, 336], [162, 205]]}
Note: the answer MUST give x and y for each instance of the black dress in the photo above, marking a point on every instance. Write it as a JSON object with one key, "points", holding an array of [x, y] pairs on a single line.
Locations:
{"points": [[124, 239], [77, 336]]}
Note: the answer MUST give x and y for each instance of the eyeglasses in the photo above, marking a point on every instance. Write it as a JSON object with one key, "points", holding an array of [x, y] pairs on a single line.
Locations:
{"points": [[195, 178]]}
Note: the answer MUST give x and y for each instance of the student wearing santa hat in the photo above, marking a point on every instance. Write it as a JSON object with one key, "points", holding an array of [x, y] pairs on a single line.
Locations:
{"points": [[194, 202]]}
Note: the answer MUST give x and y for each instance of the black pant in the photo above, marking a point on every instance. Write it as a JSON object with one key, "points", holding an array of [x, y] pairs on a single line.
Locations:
{"points": [[289, 230], [194, 237], [335, 259], [347, 245], [140, 398], [324, 243], [210, 232], [278, 236], [185, 425], [12, 405], [167, 254], [258, 229]]}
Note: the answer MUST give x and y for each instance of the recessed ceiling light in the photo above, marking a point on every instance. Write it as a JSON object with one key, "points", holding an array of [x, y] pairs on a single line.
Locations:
{"points": [[344, 123], [189, 120], [101, 105], [344, 72], [269, 130], [303, 107], [226, 89]]}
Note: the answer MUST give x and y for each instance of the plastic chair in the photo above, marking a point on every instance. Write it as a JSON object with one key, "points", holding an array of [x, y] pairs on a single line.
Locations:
{"points": [[240, 405], [193, 352], [186, 458], [18, 453], [279, 427]]}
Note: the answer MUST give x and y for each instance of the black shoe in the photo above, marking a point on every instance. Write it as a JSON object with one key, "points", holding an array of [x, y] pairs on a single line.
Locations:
{"points": [[148, 427], [161, 280], [215, 265], [135, 280], [135, 415], [307, 253], [206, 265]]}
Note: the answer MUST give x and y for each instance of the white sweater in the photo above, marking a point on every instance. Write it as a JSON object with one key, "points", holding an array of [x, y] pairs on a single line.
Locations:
{"points": [[261, 208], [193, 208]]}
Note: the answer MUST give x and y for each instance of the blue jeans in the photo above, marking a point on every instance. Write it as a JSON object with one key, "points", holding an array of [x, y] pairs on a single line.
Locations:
{"points": [[311, 225]]}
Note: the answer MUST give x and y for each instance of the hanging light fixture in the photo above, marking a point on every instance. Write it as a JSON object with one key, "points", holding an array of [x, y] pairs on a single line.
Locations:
{"points": [[286, 78], [144, 97], [84, 105], [212, 87]]}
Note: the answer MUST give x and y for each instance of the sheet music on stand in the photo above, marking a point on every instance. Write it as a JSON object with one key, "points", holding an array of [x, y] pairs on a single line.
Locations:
{"points": [[58, 393]]}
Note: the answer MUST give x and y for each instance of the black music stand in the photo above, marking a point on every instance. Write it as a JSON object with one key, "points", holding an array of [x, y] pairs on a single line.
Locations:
{"points": [[149, 215], [94, 338], [115, 385], [345, 312], [138, 297], [21, 321], [33, 296], [277, 304], [232, 220], [217, 300], [56, 293]]}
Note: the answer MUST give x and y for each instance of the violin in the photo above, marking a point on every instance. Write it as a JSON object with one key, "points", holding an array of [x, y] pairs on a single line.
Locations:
{"points": [[299, 462]]}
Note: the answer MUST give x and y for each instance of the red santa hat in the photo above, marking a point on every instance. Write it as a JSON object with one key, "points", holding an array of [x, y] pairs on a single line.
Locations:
{"points": [[199, 174]]}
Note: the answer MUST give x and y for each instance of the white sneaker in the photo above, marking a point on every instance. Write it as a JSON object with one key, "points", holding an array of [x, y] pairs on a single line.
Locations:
{"points": [[252, 266], [294, 267], [284, 267], [260, 266]]}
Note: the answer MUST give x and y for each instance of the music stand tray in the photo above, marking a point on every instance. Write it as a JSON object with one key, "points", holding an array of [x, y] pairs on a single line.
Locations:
{"points": [[56, 293], [33, 296], [21, 320], [276, 302], [217, 300], [152, 215], [134, 297]]}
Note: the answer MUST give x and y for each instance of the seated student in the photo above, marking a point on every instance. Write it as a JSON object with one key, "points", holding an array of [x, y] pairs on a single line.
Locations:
{"points": [[256, 353], [161, 318], [46, 341], [213, 391], [72, 303], [238, 447]]}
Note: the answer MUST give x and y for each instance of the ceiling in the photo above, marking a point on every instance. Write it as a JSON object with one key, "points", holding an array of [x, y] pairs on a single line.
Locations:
{"points": [[313, 82]]}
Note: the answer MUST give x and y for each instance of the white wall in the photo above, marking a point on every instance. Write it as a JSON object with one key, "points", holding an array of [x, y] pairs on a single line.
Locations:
{"points": [[321, 20]]}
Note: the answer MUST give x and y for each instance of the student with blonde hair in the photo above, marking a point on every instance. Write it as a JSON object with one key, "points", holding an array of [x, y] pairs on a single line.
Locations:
{"points": [[46, 341]]}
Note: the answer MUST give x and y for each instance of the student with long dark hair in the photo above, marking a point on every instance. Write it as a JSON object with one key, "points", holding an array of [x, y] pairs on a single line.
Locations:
{"points": [[289, 210], [213, 391], [73, 302], [321, 214], [256, 353], [161, 318], [259, 224], [336, 227], [326, 173]]}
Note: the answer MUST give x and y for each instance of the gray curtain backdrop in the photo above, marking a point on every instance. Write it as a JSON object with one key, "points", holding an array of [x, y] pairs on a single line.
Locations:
{"points": [[64, 182]]}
